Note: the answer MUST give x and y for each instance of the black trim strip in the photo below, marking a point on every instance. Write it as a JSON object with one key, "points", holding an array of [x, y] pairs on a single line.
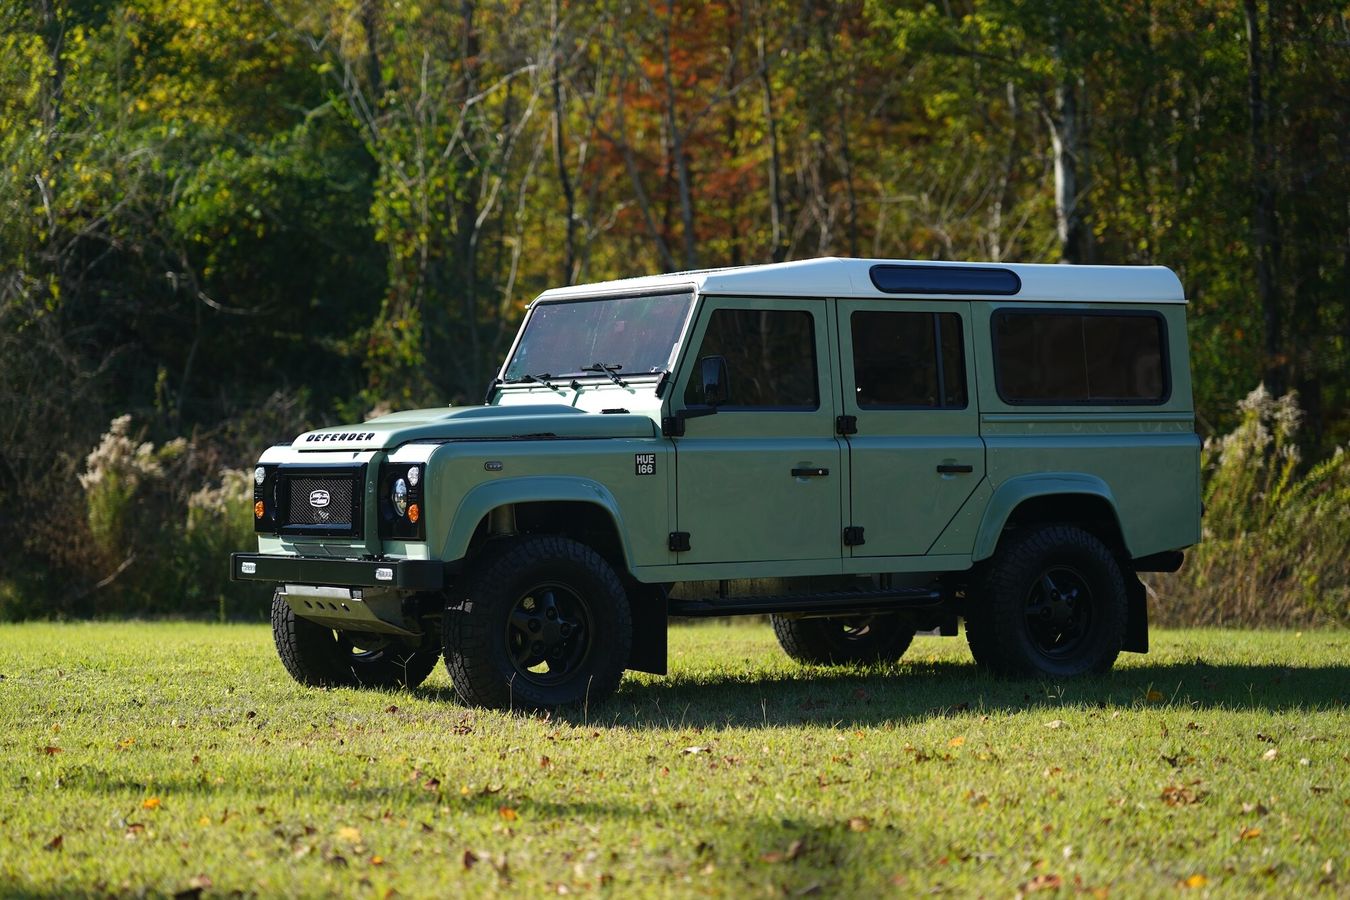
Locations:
{"points": [[947, 280], [408, 574]]}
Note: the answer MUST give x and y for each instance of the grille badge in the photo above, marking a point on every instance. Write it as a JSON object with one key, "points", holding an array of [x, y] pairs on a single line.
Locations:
{"points": [[318, 499]]}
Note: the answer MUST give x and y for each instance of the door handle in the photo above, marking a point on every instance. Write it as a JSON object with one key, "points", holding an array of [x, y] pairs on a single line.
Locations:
{"points": [[949, 469], [810, 473]]}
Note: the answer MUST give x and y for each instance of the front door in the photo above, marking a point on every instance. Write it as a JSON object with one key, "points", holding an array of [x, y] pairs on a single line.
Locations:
{"points": [[761, 480], [917, 454]]}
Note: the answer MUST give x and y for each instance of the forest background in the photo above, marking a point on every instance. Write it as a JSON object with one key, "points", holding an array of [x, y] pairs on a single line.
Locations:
{"points": [[223, 221]]}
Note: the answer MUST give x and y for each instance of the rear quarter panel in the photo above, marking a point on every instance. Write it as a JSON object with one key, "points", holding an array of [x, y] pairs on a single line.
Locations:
{"points": [[1148, 456]]}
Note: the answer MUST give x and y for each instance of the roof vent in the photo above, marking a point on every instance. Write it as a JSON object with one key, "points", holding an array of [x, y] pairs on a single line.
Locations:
{"points": [[945, 280]]}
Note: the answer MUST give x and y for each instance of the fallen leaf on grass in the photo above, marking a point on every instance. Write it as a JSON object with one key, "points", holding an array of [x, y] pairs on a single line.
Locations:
{"points": [[1195, 881], [391, 709], [507, 813], [1249, 834], [52, 751], [150, 803], [55, 843], [1270, 754], [200, 882], [1179, 795], [349, 834], [1047, 882], [793, 851], [956, 742], [1258, 808], [545, 762], [377, 860], [691, 751], [1154, 697], [1055, 723], [470, 859], [859, 823]]}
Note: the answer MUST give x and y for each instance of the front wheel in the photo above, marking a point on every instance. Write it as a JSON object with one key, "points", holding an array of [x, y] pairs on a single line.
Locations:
{"points": [[542, 622], [1051, 603], [321, 657]]}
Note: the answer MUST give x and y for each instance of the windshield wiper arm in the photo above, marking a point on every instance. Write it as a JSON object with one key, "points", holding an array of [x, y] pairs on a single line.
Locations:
{"points": [[542, 378], [608, 369]]}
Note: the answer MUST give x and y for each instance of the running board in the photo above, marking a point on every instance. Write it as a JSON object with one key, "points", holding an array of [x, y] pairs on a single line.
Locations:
{"points": [[844, 603]]}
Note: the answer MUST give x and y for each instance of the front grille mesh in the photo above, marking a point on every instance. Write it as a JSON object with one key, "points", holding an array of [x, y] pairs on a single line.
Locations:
{"points": [[306, 496]]}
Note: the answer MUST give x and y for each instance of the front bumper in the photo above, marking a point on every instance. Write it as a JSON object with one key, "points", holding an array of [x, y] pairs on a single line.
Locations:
{"points": [[401, 574]]}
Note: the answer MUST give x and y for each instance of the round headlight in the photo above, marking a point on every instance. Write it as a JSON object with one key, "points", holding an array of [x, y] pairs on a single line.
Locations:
{"points": [[259, 475], [399, 497], [414, 476]]}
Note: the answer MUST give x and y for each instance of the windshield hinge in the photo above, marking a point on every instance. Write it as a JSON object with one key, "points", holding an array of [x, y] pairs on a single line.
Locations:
{"points": [[679, 542], [846, 424], [853, 536]]}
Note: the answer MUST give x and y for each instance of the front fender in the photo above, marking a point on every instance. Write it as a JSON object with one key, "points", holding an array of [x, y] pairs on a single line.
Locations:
{"points": [[1015, 491], [484, 498]]}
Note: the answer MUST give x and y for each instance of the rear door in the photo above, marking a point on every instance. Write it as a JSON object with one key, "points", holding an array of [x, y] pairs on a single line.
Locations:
{"points": [[762, 479], [916, 457]]}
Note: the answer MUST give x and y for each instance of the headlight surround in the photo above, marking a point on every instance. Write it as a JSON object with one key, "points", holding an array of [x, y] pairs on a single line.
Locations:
{"points": [[402, 501]]}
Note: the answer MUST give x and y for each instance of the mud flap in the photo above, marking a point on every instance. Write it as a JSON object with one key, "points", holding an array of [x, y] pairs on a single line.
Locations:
{"points": [[649, 609], [1136, 615]]}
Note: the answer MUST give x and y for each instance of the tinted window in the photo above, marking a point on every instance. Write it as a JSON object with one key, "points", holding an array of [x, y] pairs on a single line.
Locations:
{"points": [[944, 280], [770, 354], [896, 359], [1051, 357]]}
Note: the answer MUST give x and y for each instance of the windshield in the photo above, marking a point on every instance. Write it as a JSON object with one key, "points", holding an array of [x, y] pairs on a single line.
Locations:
{"points": [[627, 335]]}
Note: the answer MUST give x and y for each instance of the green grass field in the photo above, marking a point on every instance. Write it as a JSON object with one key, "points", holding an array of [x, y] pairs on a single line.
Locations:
{"points": [[164, 758]]}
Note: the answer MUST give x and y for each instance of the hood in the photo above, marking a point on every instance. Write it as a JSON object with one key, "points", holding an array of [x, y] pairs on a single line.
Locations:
{"points": [[476, 422]]}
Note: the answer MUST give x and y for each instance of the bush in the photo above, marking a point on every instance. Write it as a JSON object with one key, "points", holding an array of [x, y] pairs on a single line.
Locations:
{"points": [[1274, 547]]}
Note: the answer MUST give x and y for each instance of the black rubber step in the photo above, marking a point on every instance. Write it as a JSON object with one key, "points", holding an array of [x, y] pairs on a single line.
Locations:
{"points": [[842, 602]]}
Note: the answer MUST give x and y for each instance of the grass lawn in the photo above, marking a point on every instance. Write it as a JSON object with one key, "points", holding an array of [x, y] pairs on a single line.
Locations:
{"points": [[164, 758]]}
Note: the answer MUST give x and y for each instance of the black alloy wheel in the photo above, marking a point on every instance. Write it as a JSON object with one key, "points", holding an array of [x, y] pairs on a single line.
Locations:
{"points": [[549, 634], [845, 640], [539, 622], [1050, 603]]}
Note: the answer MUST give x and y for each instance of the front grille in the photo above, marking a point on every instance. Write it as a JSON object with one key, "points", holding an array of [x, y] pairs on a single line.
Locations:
{"points": [[320, 501]]}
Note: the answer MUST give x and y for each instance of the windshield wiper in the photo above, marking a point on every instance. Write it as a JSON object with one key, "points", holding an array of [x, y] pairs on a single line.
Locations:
{"points": [[608, 369], [542, 378]]}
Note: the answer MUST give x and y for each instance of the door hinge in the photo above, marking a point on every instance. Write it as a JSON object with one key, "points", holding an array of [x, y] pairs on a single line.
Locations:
{"points": [[672, 426], [853, 536], [679, 541], [846, 424]]}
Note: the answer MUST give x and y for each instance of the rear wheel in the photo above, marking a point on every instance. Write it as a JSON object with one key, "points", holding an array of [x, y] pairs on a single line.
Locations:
{"points": [[321, 657], [847, 640], [542, 622], [1051, 603]]}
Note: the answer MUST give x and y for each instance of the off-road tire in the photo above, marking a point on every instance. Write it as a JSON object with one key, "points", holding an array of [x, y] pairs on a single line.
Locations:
{"points": [[321, 657], [487, 652], [845, 640], [1008, 624]]}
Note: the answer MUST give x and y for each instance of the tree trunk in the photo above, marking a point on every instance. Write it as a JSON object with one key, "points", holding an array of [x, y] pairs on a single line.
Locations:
{"points": [[1265, 228], [560, 155], [776, 212], [679, 158]]}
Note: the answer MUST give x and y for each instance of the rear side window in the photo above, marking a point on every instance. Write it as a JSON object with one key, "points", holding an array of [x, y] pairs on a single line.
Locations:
{"points": [[771, 358], [1052, 358], [908, 359]]}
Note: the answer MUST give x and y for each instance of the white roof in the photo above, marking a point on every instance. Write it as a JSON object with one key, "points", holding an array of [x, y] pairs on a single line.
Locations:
{"points": [[833, 277]]}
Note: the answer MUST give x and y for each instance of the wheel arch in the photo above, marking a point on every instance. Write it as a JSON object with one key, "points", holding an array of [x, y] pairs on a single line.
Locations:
{"points": [[579, 508], [1083, 500]]}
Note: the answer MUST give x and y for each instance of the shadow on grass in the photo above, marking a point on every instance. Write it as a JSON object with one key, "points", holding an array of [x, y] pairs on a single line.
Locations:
{"points": [[906, 693]]}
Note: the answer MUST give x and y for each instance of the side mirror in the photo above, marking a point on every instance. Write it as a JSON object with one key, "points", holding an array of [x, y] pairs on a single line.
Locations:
{"points": [[713, 376]]}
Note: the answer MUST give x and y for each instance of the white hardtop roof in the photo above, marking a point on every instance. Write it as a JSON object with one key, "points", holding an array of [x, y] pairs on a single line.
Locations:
{"points": [[833, 277]]}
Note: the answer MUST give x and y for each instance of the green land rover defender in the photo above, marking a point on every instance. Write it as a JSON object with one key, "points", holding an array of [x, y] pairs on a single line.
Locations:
{"points": [[860, 449]]}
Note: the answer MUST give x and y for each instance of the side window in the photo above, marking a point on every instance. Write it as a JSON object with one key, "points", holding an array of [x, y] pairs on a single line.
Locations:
{"points": [[771, 358], [1052, 357], [908, 359]]}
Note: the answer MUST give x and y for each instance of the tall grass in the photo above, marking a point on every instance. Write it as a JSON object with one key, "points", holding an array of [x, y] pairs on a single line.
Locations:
{"points": [[1276, 540]]}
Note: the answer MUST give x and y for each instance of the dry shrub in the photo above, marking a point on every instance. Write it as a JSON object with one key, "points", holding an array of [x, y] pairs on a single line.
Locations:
{"points": [[1275, 538]]}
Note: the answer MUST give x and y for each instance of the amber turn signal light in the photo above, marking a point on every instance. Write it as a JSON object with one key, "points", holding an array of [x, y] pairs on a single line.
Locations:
{"points": [[258, 510], [414, 513]]}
